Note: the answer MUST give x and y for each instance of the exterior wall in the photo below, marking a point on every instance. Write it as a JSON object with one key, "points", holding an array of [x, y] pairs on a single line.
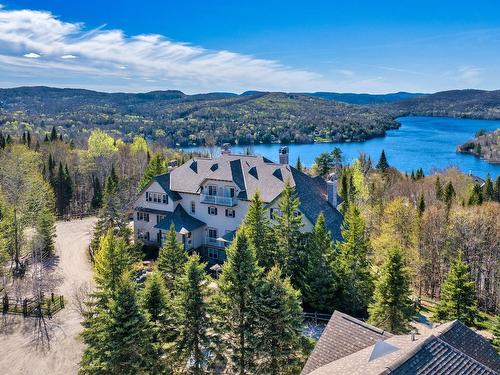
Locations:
{"points": [[308, 226], [154, 188]]}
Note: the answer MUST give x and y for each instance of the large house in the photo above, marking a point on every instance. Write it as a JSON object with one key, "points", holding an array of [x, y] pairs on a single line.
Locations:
{"points": [[207, 199], [350, 346]]}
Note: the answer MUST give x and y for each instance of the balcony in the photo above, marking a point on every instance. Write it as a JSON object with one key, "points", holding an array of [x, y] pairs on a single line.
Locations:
{"points": [[209, 241], [218, 200]]}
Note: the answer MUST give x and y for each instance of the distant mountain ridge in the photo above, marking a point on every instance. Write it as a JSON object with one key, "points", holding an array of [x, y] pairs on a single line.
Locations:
{"points": [[365, 98]]}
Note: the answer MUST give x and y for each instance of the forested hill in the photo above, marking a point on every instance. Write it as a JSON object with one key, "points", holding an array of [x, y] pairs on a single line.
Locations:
{"points": [[365, 98], [173, 117], [455, 103]]}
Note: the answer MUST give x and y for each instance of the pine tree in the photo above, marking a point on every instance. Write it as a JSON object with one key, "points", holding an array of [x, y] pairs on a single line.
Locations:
{"points": [[279, 325], [320, 280], [237, 302], [155, 301], [111, 261], [96, 201], [125, 345], [497, 190], [439, 189], [258, 231], [194, 321], [171, 259], [392, 308], [354, 266], [156, 166], [382, 164], [449, 194], [53, 134], [2, 141], [299, 165], [475, 196], [458, 297], [46, 228], [28, 139], [421, 205], [46, 138], [287, 232], [63, 188], [488, 190]]}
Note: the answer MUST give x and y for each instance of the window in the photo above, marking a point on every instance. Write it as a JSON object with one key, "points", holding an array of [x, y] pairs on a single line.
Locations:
{"points": [[274, 213], [159, 218], [230, 192], [212, 210], [213, 253], [193, 207], [156, 197], [212, 190], [142, 216], [230, 212], [212, 233], [143, 235]]}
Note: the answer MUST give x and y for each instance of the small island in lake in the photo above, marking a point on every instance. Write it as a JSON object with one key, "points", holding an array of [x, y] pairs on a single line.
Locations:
{"points": [[485, 145]]}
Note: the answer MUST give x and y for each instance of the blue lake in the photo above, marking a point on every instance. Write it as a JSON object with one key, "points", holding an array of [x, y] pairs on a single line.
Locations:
{"points": [[421, 142]]}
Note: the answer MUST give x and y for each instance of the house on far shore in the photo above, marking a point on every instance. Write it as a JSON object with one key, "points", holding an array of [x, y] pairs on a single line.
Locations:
{"points": [[350, 346], [207, 199]]}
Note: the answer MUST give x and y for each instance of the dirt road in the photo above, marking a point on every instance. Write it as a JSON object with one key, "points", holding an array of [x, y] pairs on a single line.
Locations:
{"points": [[18, 353]]}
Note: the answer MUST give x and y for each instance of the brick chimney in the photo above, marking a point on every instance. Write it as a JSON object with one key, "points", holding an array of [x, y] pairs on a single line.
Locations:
{"points": [[283, 154], [226, 149], [331, 190]]}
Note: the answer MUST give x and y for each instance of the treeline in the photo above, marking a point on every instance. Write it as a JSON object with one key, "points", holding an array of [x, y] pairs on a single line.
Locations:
{"points": [[175, 119], [77, 175]]}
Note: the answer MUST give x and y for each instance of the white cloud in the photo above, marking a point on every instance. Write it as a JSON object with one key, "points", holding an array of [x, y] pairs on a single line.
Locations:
{"points": [[32, 55], [469, 75], [152, 61]]}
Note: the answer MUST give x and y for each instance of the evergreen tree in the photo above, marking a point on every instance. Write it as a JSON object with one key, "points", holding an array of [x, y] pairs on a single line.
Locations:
{"points": [[171, 259], [458, 297], [194, 310], [421, 204], [287, 232], [344, 190], [156, 166], [111, 261], [46, 228], [449, 194], [497, 189], [488, 190], [53, 134], [46, 138], [96, 201], [323, 163], [392, 308], [439, 189], [124, 344], [382, 164], [475, 196], [2, 141], [237, 302], [279, 325], [28, 139], [320, 280], [354, 266], [155, 301], [496, 333], [299, 165], [63, 188], [258, 231], [23, 139]]}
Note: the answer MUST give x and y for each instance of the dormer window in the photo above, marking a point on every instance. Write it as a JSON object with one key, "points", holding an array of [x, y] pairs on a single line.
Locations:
{"points": [[156, 197]]}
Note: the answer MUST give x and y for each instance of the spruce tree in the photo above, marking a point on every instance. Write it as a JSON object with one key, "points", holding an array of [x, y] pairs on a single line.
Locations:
{"points": [[237, 303], [497, 189], [126, 343], [475, 196], [449, 194], [496, 333], [53, 134], [287, 233], [392, 308], [96, 201], [354, 266], [28, 139], [258, 231], [458, 297], [382, 164], [299, 165], [279, 325], [171, 259], [195, 320], [46, 228], [156, 166], [319, 292], [155, 301], [488, 190], [438, 189], [421, 204]]}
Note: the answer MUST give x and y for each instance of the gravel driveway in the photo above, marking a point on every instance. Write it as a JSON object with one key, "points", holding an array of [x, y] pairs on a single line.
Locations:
{"points": [[18, 353]]}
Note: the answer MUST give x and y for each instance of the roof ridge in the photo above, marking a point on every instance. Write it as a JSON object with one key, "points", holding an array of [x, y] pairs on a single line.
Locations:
{"points": [[361, 323]]}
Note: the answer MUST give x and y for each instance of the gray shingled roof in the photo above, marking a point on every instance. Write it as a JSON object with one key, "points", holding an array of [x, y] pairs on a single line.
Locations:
{"points": [[164, 181], [436, 357], [342, 336], [181, 219], [256, 173]]}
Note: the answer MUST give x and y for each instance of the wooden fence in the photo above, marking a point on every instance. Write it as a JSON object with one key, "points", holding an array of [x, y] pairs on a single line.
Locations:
{"points": [[33, 307], [316, 317]]}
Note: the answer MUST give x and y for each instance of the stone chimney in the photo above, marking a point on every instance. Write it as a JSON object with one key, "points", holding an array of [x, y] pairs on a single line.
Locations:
{"points": [[331, 190], [283, 154], [172, 164], [226, 149]]}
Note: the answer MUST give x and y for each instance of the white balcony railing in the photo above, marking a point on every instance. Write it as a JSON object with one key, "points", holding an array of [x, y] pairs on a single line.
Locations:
{"points": [[218, 199], [213, 242]]}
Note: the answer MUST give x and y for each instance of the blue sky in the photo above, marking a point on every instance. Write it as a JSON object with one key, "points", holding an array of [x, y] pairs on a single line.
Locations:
{"points": [[202, 46]]}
